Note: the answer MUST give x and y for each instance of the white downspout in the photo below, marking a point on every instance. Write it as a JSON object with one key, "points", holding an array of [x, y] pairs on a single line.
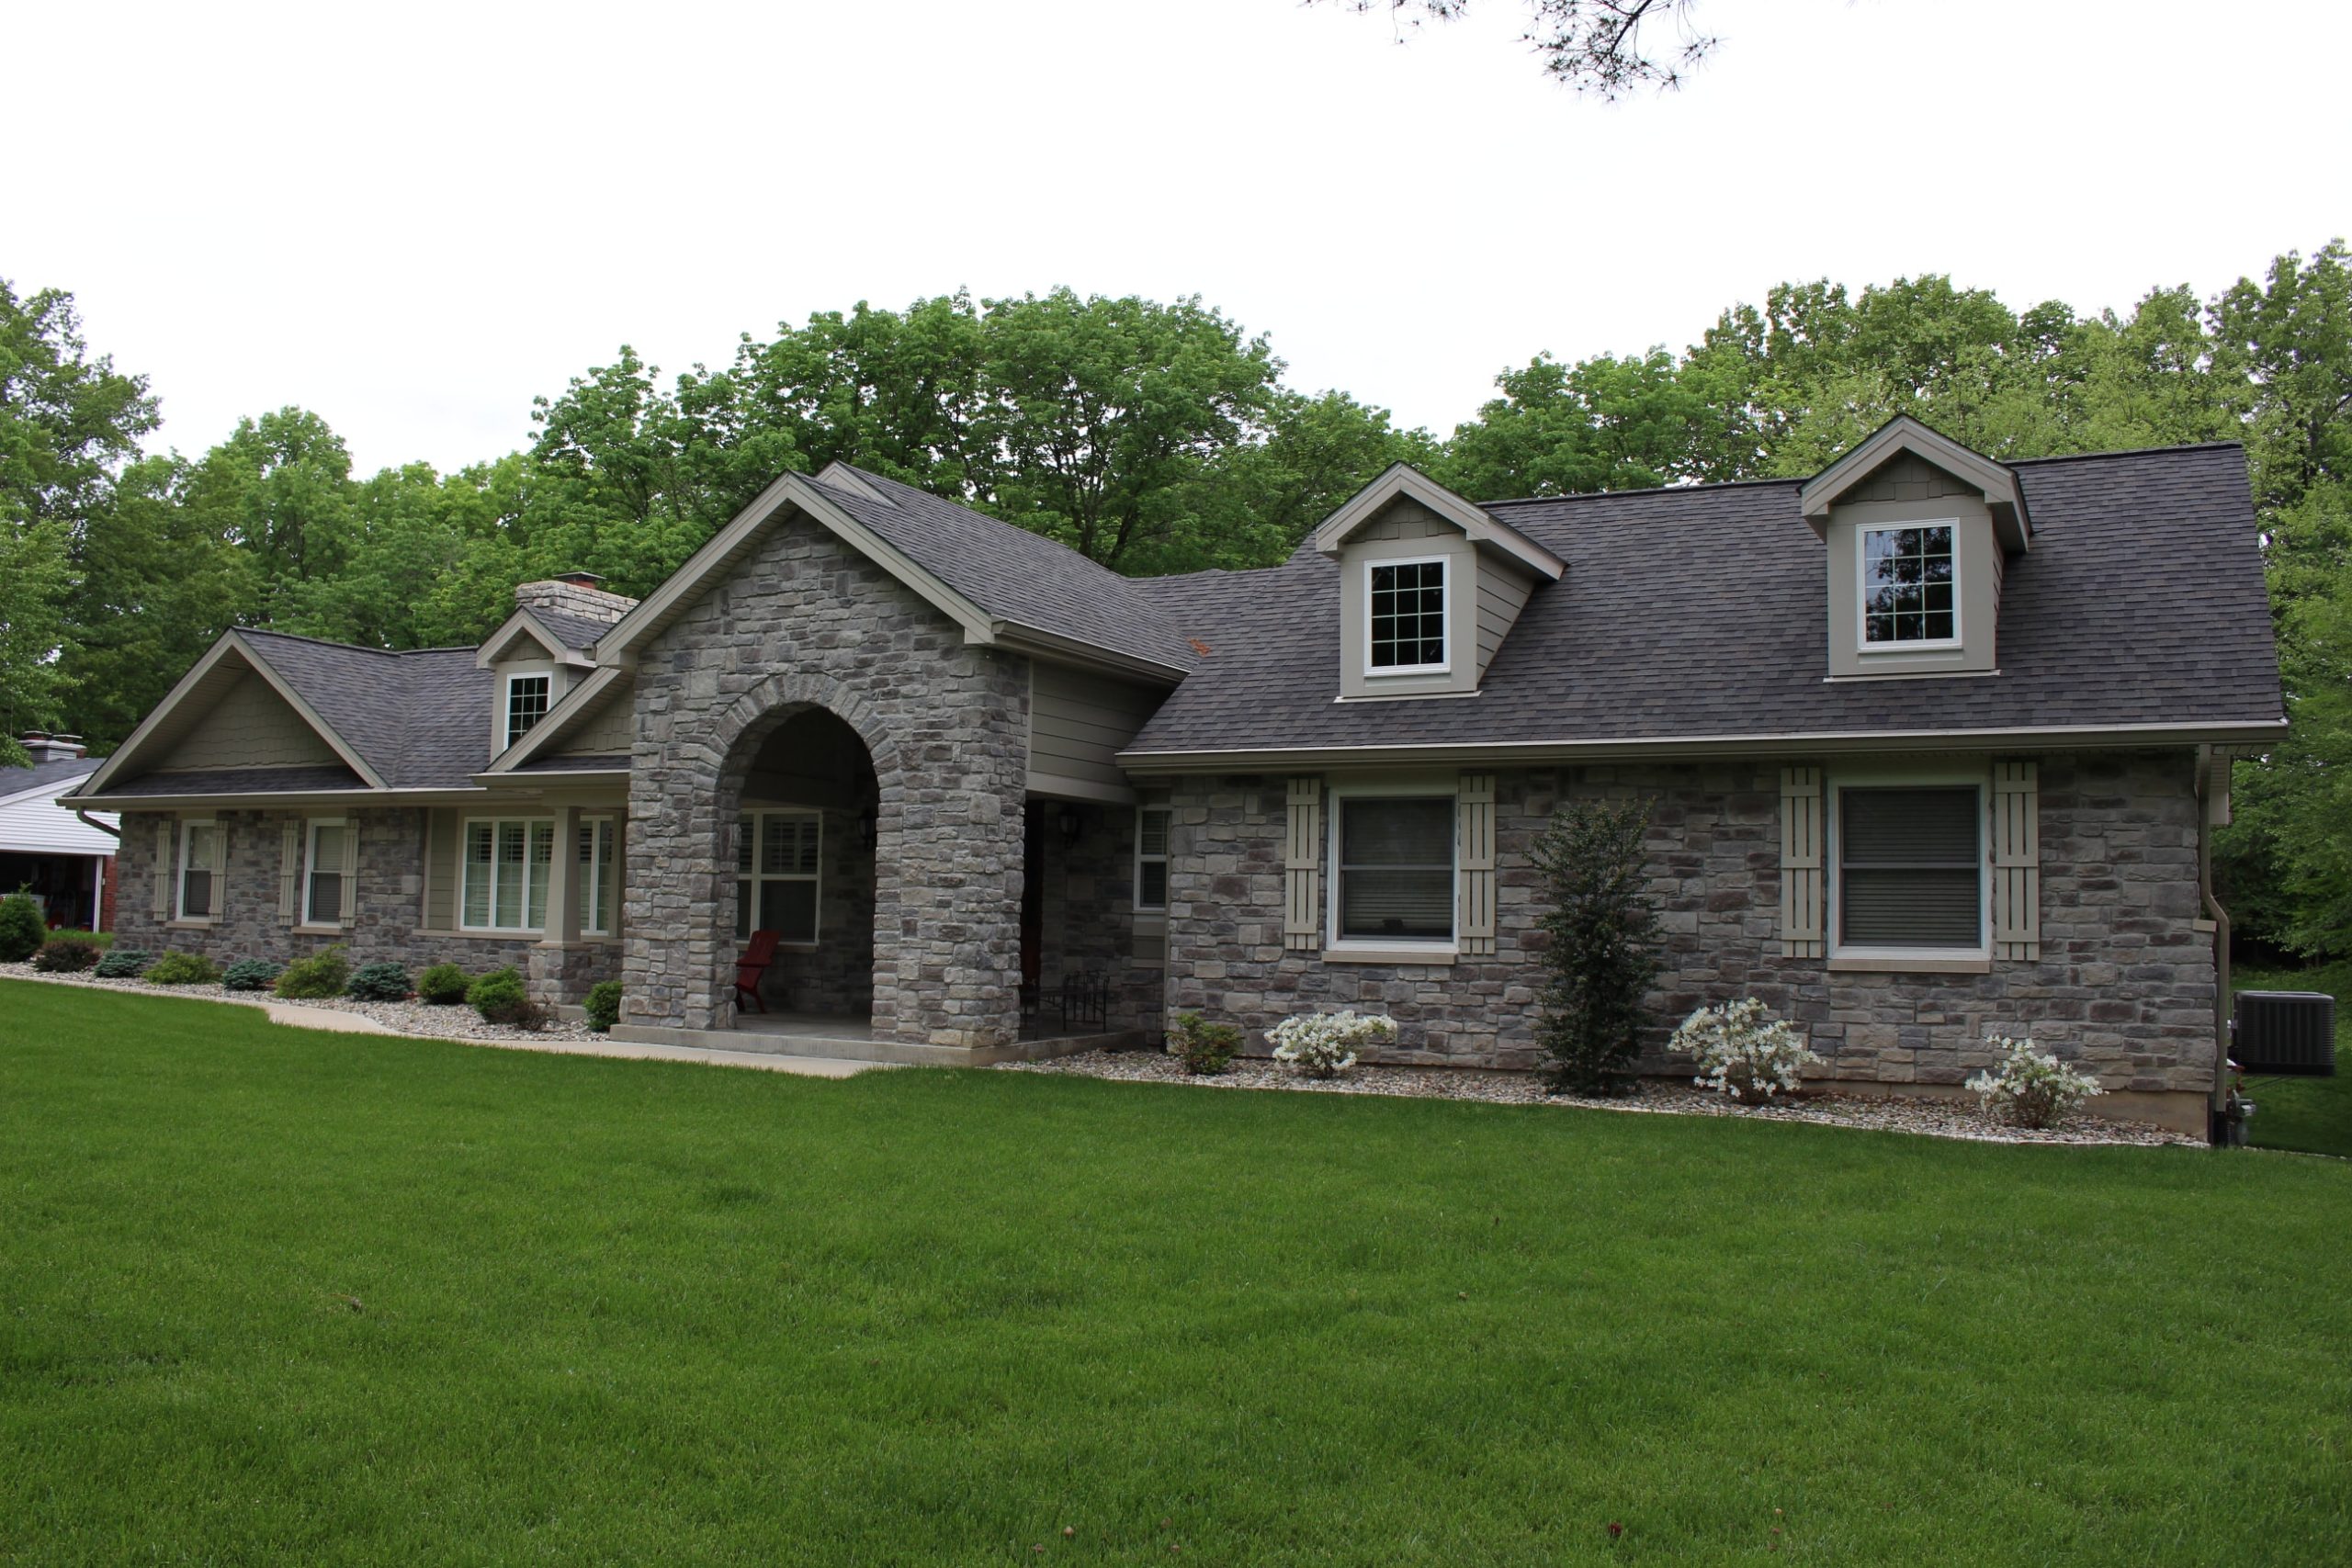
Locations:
{"points": [[2215, 811]]}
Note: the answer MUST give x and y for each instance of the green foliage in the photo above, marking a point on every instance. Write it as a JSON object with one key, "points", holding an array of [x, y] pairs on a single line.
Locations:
{"points": [[65, 955], [444, 984], [99, 940], [1204, 1048], [22, 929], [122, 963], [499, 996], [379, 982], [604, 1007], [182, 969], [250, 975], [1601, 943], [317, 978]]}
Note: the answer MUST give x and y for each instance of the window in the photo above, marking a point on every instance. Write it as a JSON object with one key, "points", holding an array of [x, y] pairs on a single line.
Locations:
{"points": [[527, 703], [1151, 857], [322, 886], [1394, 868], [1408, 615], [1910, 867], [600, 885], [200, 857], [506, 874], [1907, 587], [776, 874]]}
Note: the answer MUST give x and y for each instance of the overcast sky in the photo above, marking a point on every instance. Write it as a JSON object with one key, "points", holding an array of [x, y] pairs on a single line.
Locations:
{"points": [[413, 219]]}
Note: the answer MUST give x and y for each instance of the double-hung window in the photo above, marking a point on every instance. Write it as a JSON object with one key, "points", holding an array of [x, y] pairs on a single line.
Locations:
{"points": [[1406, 615], [1911, 868], [776, 856], [600, 887], [1151, 858], [323, 881], [1393, 868], [201, 856], [527, 703], [1908, 591], [506, 874]]}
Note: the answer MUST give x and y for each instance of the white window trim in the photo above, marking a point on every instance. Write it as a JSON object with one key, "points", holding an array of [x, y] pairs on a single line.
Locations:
{"points": [[465, 833], [180, 878], [591, 876], [1862, 642], [310, 866], [1397, 950], [744, 912], [1445, 617], [506, 701], [1141, 859], [1833, 914]]}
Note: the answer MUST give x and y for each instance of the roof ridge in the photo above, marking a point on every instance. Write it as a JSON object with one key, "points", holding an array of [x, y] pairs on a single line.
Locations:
{"points": [[320, 641], [2126, 452]]}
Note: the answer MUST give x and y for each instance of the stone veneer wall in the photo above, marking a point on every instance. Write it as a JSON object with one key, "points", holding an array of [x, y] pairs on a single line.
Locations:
{"points": [[803, 620], [2125, 984], [389, 891]]}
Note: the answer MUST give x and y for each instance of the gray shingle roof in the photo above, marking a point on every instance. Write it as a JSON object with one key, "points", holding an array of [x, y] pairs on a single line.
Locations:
{"points": [[420, 718], [54, 776], [1016, 575], [1699, 611], [578, 632], [241, 781]]}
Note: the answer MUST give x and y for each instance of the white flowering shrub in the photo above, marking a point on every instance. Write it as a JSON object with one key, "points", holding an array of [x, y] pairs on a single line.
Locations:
{"points": [[2033, 1088], [1323, 1044], [1744, 1050]]}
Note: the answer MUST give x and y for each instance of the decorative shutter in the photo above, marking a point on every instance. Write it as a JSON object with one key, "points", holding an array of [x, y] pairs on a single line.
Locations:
{"points": [[289, 873], [1302, 868], [161, 904], [1475, 807], [350, 869], [2016, 861], [219, 866], [1801, 863]]}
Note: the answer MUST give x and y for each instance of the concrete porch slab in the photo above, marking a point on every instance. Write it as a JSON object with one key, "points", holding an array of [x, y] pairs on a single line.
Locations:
{"points": [[852, 1040]]}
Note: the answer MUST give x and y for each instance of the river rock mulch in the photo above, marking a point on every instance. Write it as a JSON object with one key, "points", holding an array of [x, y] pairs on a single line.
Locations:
{"points": [[1909, 1113], [456, 1022]]}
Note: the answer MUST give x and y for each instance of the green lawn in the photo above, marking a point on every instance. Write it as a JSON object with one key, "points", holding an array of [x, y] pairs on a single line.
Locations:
{"points": [[273, 1295], [2307, 1113]]}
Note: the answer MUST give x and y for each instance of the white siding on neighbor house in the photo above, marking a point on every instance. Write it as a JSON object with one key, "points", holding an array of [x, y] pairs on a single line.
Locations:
{"points": [[1077, 722], [36, 824], [250, 726]]}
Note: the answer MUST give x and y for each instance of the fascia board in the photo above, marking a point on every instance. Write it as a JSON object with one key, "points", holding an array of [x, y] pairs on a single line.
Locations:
{"points": [[1817, 494], [133, 743], [570, 706], [1482, 527], [1057, 648], [494, 647]]}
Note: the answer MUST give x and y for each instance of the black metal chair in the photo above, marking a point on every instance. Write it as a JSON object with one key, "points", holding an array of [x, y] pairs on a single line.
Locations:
{"points": [[1086, 1001]]}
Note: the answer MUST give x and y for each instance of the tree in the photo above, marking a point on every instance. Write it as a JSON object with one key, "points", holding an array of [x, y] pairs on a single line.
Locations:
{"points": [[1601, 943], [1601, 47]]}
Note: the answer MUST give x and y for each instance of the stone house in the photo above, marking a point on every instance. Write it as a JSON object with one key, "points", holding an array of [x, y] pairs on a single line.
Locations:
{"points": [[1935, 744]]}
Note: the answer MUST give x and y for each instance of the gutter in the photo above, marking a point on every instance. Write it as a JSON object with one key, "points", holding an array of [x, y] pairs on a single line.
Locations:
{"points": [[90, 821], [2208, 759]]}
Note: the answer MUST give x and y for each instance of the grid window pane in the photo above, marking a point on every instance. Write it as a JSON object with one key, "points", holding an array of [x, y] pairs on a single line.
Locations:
{"points": [[1151, 857], [1908, 584], [527, 703], [479, 871], [777, 856], [535, 909], [506, 886], [1151, 884], [789, 909], [1910, 867], [196, 871], [1408, 612], [326, 876], [1396, 868]]}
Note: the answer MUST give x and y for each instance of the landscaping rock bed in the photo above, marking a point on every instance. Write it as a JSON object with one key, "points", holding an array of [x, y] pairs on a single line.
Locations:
{"points": [[1931, 1118], [454, 1022]]}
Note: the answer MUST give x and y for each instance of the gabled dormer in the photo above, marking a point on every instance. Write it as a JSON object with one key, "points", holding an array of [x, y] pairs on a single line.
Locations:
{"points": [[544, 648], [1919, 531], [1430, 585]]}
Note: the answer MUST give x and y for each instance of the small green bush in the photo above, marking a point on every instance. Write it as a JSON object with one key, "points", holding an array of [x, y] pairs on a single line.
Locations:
{"points": [[122, 963], [182, 969], [379, 982], [65, 955], [99, 940], [444, 984], [603, 1005], [1207, 1049], [22, 930], [500, 998], [317, 978], [252, 975]]}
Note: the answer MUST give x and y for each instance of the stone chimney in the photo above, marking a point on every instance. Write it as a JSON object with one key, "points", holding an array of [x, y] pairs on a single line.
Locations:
{"points": [[48, 748], [573, 593]]}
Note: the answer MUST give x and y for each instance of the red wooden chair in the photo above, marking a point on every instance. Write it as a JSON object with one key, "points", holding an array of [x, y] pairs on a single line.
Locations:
{"points": [[753, 965]]}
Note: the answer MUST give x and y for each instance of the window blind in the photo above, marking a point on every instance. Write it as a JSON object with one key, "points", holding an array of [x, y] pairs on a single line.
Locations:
{"points": [[1910, 867], [1396, 868]]}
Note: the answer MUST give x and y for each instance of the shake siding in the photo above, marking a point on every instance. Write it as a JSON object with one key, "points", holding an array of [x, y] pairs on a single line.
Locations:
{"points": [[1502, 595], [441, 833], [251, 726], [1078, 722], [1908, 478], [611, 729]]}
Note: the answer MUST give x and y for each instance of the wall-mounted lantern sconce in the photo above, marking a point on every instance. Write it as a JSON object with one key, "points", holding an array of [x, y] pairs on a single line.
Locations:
{"points": [[1071, 825], [869, 826]]}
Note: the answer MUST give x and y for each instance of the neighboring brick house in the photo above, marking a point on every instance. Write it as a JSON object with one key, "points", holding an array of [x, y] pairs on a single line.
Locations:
{"points": [[1935, 744]]}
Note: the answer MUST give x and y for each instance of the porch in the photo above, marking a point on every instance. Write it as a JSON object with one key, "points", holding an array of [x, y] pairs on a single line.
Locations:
{"points": [[854, 1039]]}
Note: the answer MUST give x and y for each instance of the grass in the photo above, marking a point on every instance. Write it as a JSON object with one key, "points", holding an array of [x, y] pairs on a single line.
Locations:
{"points": [[2311, 1114], [270, 1294]]}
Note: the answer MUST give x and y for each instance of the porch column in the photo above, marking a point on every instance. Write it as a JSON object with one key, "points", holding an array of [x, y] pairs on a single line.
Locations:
{"points": [[562, 926]]}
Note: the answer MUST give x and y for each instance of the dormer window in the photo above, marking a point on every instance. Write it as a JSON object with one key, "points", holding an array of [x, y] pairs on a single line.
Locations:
{"points": [[1407, 615], [527, 703], [1908, 584]]}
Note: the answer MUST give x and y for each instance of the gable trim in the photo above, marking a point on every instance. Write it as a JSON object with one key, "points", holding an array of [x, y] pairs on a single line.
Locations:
{"points": [[1482, 527], [522, 623], [1904, 434], [229, 642]]}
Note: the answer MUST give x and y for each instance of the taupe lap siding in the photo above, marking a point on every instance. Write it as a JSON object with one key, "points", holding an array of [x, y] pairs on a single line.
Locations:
{"points": [[442, 834]]}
